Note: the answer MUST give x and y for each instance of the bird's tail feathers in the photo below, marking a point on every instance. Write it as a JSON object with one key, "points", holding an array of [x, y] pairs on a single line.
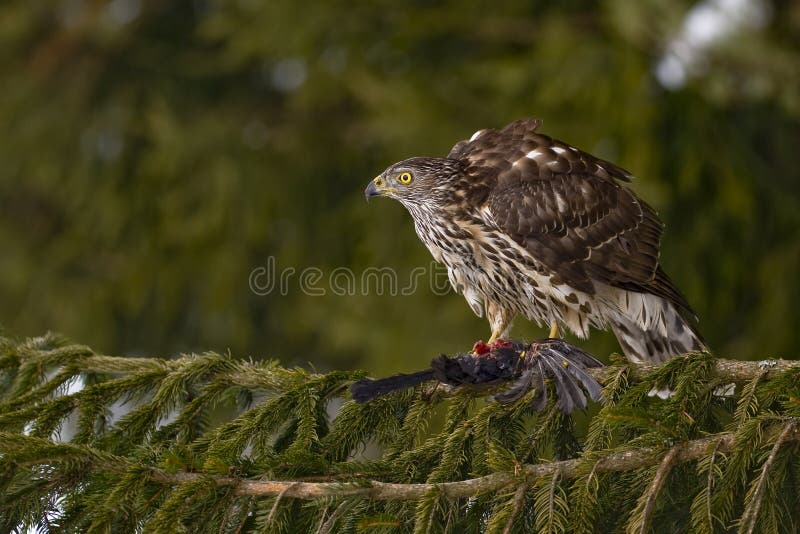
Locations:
{"points": [[368, 389], [652, 329]]}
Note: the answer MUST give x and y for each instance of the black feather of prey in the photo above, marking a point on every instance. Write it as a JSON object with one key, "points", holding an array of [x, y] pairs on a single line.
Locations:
{"points": [[527, 366]]}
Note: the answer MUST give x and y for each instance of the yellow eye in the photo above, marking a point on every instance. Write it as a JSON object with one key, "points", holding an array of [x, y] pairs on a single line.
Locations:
{"points": [[405, 178]]}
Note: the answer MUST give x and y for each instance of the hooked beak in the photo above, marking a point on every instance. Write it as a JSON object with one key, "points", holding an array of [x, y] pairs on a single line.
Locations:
{"points": [[373, 189]]}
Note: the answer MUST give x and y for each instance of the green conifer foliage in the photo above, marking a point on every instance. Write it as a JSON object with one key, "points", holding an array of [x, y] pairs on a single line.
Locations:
{"points": [[211, 443]]}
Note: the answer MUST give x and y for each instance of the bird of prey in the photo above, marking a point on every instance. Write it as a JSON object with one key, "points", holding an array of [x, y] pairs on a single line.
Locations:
{"points": [[528, 225]]}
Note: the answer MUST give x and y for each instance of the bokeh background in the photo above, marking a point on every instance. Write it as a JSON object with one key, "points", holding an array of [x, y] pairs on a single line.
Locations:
{"points": [[154, 153]]}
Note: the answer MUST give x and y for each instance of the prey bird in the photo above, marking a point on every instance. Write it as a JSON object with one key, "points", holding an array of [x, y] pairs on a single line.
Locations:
{"points": [[528, 225]]}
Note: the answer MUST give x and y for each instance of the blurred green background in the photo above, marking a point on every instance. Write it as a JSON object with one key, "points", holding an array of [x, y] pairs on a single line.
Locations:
{"points": [[153, 154]]}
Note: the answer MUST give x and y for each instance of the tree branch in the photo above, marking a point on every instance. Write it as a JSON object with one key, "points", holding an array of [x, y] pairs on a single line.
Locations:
{"points": [[255, 376], [752, 510], [733, 370], [655, 487], [519, 500], [250, 376], [373, 489]]}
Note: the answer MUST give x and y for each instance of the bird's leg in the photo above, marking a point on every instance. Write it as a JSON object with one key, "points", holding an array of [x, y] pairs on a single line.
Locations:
{"points": [[553, 330], [495, 336]]}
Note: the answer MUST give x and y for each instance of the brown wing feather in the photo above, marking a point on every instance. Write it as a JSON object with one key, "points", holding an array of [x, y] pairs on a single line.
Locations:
{"points": [[566, 208]]}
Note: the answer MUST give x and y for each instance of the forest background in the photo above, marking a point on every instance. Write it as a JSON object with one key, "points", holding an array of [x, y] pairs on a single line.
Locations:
{"points": [[155, 155]]}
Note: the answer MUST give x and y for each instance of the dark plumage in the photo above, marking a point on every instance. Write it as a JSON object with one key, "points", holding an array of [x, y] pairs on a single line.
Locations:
{"points": [[529, 225], [528, 365]]}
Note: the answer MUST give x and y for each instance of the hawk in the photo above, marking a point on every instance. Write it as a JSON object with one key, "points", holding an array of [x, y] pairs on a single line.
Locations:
{"points": [[529, 225]]}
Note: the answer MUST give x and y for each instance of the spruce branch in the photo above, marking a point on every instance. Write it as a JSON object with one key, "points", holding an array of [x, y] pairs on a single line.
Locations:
{"points": [[550, 506], [269, 375], [750, 516], [703, 519], [518, 501], [617, 461], [236, 445], [327, 526], [724, 370], [644, 511]]}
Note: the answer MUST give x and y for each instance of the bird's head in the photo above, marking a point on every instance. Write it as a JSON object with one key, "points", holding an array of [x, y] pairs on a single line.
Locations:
{"points": [[416, 181]]}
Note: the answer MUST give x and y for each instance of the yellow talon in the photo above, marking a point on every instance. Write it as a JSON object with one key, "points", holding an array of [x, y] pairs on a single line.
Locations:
{"points": [[553, 330], [494, 337]]}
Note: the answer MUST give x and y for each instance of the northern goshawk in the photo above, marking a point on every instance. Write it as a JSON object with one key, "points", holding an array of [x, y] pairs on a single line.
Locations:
{"points": [[529, 225]]}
